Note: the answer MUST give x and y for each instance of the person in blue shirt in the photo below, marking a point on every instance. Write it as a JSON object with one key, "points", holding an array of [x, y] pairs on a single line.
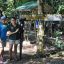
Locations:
{"points": [[3, 31]]}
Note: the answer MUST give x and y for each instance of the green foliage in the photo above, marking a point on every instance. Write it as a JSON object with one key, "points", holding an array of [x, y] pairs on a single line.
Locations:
{"points": [[7, 7], [24, 1], [54, 4], [59, 43], [2, 5], [57, 33], [10, 9], [60, 9]]}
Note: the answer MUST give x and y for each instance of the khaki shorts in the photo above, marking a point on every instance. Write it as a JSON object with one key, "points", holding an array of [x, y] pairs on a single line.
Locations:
{"points": [[14, 42], [3, 43]]}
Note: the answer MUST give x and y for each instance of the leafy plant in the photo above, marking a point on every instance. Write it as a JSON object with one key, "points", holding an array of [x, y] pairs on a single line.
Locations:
{"points": [[9, 9], [60, 9], [2, 5], [59, 43]]}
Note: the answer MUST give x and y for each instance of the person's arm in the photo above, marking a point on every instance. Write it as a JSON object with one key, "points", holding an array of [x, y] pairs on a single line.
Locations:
{"points": [[15, 31], [0, 31], [10, 33], [0, 34]]}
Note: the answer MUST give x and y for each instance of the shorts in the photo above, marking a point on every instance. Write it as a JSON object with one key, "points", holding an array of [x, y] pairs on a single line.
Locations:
{"points": [[3, 43], [14, 42]]}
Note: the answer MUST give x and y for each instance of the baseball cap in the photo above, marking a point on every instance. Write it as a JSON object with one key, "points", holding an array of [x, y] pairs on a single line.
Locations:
{"points": [[3, 17]]}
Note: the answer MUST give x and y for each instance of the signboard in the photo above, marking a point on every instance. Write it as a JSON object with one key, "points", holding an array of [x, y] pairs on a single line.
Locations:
{"points": [[53, 17], [37, 23]]}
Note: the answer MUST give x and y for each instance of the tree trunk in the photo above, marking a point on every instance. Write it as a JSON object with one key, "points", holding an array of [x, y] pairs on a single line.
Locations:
{"points": [[40, 7], [40, 13]]}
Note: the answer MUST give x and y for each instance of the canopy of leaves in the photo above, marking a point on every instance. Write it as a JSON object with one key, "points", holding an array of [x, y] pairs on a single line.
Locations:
{"points": [[2, 5], [54, 4], [9, 6], [9, 9]]}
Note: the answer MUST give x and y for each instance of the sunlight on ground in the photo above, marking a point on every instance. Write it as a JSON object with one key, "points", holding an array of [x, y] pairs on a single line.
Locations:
{"points": [[26, 49]]}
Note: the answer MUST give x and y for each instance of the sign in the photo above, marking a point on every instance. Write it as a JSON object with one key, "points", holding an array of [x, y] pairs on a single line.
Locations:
{"points": [[37, 23]]}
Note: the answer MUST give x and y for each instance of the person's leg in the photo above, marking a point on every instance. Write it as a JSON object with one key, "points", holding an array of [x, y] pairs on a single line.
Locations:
{"points": [[21, 42], [3, 45], [1, 56], [2, 52], [10, 49], [20, 56], [15, 48]]}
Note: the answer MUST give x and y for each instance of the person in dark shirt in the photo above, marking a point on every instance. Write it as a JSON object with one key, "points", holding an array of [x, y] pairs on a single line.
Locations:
{"points": [[3, 31], [14, 37], [21, 23]]}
